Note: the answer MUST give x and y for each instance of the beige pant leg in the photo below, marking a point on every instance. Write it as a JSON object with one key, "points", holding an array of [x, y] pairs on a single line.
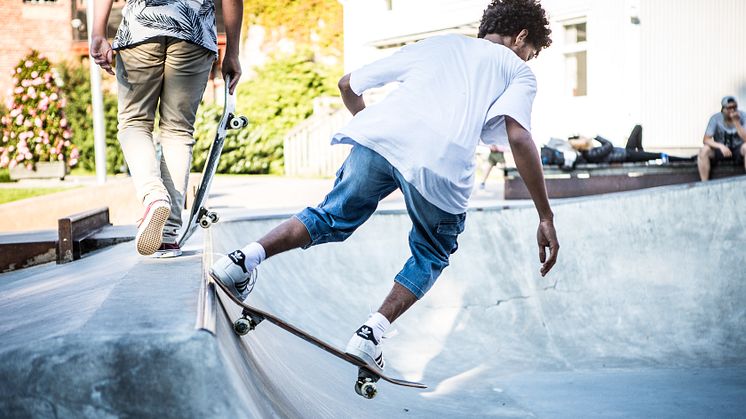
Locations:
{"points": [[139, 74], [187, 68]]}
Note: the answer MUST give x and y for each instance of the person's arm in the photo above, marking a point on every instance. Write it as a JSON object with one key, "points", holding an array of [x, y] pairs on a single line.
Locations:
{"points": [[352, 100], [100, 48], [709, 138], [232, 17], [529, 166], [735, 118]]}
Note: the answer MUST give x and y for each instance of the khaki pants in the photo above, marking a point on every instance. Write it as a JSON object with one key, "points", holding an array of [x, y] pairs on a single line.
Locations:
{"points": [[169, 75]]}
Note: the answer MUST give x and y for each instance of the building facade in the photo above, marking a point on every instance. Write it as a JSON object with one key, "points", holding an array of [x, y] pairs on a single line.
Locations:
{"points": [[664, 64]]}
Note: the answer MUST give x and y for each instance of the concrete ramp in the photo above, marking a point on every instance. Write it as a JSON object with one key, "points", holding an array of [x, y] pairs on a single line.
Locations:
{"points": [[642, 317]]}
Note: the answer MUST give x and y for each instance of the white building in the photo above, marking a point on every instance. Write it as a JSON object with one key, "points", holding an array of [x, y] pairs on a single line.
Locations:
{"points": [[613, 63], [664, 64]]}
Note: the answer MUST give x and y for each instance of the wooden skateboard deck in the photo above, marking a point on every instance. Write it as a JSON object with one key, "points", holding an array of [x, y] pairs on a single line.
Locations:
{"points": [[200, 215], [368, 373]]}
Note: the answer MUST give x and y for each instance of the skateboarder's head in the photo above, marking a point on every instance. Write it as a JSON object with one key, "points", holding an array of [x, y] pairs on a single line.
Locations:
{"points": [[520, 25]]}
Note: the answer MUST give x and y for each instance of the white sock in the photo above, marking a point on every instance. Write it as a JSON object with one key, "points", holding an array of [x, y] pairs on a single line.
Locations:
{"points": [[379, 324], [255, 255]]}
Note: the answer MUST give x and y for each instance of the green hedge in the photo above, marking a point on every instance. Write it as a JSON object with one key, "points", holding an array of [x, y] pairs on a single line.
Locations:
{"points": [[79, 110], [275, 100]]}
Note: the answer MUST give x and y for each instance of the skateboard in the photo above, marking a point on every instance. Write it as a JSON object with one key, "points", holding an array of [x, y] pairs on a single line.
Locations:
{"points": [[368, 374], [201, 215]]}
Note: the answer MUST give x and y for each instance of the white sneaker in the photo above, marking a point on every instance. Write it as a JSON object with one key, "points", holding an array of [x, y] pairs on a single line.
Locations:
{"points": [[150, 230], [364, 346], [230, 270]]}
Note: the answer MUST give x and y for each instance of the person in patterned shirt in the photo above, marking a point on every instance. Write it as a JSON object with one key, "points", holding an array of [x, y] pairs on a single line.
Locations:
{"points": [[165, 50]]}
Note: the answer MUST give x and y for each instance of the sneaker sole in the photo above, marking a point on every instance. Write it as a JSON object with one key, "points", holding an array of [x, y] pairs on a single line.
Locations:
{"points": [[232, 288], [167, 254], [150, 239]]}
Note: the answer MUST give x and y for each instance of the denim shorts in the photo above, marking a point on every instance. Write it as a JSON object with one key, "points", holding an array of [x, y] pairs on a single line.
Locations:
{"points": [[366, 178]]}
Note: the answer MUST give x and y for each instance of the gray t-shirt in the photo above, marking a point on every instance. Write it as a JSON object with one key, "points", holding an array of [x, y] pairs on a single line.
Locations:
{"points": [[722, 133]]}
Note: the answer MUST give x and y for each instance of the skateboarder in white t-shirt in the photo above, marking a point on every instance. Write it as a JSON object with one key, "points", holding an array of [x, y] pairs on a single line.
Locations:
{"points": [[453, 90]]}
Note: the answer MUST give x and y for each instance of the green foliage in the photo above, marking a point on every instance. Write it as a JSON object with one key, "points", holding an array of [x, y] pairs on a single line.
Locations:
{"points": [[306, 22], [35, 127], [279, 97], [77, 89]]}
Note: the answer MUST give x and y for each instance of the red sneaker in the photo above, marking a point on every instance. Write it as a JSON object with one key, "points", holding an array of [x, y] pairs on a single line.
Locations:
{"points": [[168, 250], [150, 230]]}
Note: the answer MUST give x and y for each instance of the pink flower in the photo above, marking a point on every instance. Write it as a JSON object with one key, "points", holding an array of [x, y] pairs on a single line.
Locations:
{"points": [[60, 157], [25, 83], [28, 63], [53, 96], [38, 122], [18, 90], [63, 122], [67, 143], [66, 135], [18, 70], [12, 164], [34, 74], [19, 120]]}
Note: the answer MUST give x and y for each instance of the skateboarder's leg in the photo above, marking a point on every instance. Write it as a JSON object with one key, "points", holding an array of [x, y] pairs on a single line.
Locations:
{"points": [[363, 180], [432, 240], [139, 73], [187, 68]]}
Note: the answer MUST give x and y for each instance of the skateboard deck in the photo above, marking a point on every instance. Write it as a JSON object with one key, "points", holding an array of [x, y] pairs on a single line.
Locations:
{"points": [[199, 214], [368, 374]]}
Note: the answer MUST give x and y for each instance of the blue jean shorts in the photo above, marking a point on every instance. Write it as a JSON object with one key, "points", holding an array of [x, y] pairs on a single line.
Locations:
{"points": [[366, 178]]}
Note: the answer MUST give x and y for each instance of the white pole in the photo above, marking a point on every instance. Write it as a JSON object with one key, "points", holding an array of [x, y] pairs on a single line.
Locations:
{"points": [[99, 134]]}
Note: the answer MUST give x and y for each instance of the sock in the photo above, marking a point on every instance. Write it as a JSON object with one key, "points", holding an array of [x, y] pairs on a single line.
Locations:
{"points": [[378, 323], [255, 255]]}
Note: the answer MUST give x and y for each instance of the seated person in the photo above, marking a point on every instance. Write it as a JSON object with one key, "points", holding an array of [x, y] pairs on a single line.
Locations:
{"points": [[607, 153], [725, 138]]}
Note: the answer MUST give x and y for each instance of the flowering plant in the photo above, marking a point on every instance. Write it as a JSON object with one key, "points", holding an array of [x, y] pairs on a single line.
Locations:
{"points": [[35, 129]]}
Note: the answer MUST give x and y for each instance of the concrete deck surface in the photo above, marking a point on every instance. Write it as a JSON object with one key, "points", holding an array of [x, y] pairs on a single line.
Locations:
{"points": [[642, 317]]}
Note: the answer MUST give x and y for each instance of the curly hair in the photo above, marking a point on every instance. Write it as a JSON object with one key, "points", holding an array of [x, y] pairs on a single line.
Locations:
{"points": [[509, 17]]}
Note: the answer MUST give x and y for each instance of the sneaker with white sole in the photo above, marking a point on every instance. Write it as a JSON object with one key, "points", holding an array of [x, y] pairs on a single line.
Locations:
{"points": [[150, 230], [230, 270], [168, 250], [364, 346]]}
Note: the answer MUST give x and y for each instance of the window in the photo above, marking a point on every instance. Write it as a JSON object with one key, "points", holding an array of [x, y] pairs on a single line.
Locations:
{"points": [[576, 58]]}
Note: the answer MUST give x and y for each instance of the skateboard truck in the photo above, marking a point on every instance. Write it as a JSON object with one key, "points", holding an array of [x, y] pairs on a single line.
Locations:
{"points": [[246, 323], [366, 384], [206, 218], [237, 122]]}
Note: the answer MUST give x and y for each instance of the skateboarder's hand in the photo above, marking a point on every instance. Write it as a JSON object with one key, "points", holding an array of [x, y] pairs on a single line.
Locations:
{"points": [[102, 53], [546, 236], [232, 67]]}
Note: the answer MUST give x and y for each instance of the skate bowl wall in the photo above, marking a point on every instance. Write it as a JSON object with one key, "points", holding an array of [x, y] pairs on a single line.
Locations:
{"points": [[645, 280]]}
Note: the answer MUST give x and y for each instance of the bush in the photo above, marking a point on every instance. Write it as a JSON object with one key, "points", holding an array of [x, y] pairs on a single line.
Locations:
{"points": [[77, 89], [275, 100], [35, 128]]}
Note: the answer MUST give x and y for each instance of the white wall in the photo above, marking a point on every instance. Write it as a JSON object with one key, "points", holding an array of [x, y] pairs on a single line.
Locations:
{"points": [[693, 54], [668, 72]]}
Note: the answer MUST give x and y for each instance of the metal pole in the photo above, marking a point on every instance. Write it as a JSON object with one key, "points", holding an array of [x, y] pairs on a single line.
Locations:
{"points": [[99, 134]]}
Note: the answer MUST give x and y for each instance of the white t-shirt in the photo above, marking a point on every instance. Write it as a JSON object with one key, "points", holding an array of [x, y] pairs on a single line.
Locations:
{"points": [[454, 89]]}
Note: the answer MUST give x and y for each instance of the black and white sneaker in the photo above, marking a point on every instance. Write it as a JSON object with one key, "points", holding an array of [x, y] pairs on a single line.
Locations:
{"points": [[232, 272], [365, 346]]}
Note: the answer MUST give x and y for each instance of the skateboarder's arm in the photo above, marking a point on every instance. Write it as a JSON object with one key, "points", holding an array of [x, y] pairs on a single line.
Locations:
{"points": [[529, 166], [100, 48], [232, 16], [352, 101]]}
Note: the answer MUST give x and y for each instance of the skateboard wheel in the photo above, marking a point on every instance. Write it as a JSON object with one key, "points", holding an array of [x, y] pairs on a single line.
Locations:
{"points": [[213, 216], [366, 388], [239, 122], [242, 326], [205, 222], [244, 121]]}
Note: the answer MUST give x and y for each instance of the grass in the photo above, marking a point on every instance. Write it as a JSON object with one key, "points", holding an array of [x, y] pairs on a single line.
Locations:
{"points": [[16, 194]]}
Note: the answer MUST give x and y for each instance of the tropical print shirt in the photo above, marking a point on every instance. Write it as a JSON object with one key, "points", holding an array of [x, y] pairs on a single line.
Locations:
{"points": [[190, 20]]}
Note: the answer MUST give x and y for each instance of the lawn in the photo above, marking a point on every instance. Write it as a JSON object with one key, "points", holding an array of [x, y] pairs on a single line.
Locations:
{"points": [[15, 194]]}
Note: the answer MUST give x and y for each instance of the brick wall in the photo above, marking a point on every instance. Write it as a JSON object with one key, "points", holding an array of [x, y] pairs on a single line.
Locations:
{"points": [[44, 26]]}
